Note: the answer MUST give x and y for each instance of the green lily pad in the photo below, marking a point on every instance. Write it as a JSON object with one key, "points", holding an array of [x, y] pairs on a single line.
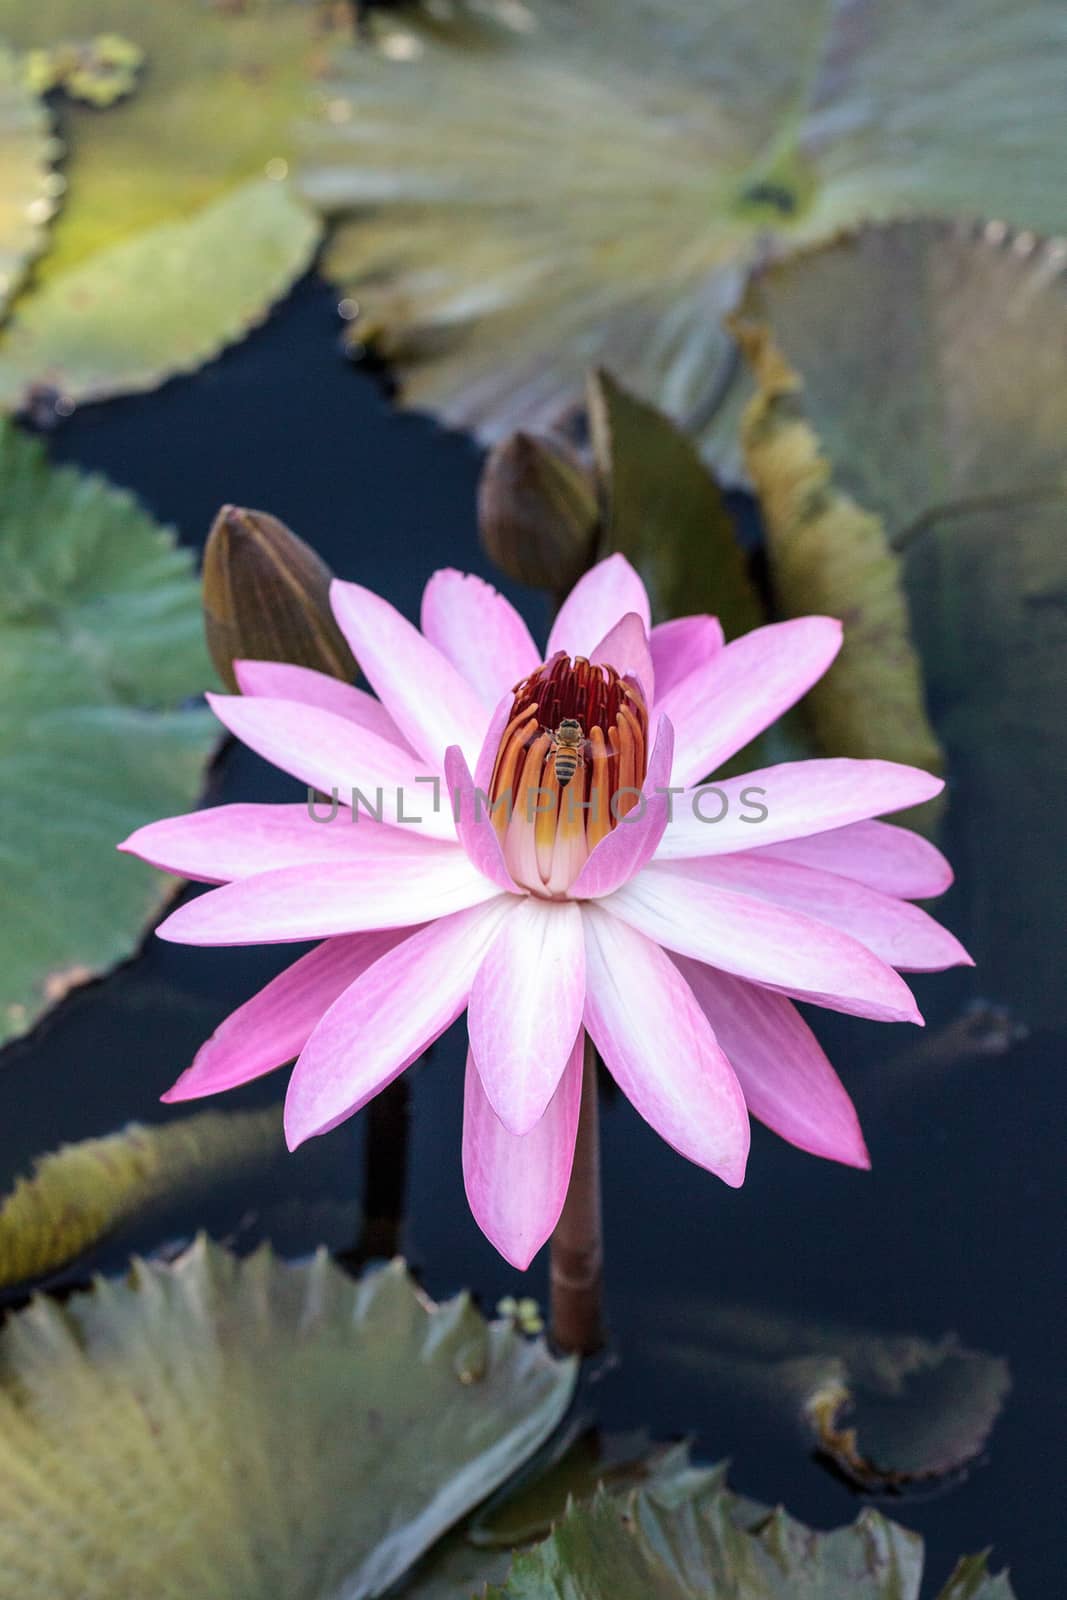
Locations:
{"points": [[665, 512], [29, 189], [159, 304], [221, 87], [82, 1193], [689, 1544], [830, 557], [251, 1430], [526, 190], [101, 640], [934, 376]]}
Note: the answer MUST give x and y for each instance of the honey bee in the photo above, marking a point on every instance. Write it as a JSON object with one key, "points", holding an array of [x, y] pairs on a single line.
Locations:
{"points": [[566, 750]]}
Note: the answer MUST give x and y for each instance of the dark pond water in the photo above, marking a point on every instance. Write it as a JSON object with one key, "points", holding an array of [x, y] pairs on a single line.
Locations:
{"points": [[958, 1227]]}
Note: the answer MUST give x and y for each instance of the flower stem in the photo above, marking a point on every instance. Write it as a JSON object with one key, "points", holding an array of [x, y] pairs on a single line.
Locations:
{"points": [[384, 1176], [576, 1270]]}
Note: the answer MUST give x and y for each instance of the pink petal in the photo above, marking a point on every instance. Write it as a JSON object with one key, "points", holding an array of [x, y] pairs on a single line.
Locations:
{"points": [[761, 942], [720, 706], [681, 646], [431, 703], [278, 680], [479, 631], [516, 1187], [323, 899], [798, 798], [625, 647], [274, 1026], [328, 752], [633, 841], [526, 1008], [787, 1080], [894, 860], [595, 605], [386, 1019], [474, 823], [897, 932], [659, 1048], [238, 841]]}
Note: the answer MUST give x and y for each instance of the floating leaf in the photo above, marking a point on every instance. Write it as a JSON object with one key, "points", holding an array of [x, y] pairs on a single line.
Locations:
{"points": [[935, 372], [221, 89], [82, 1193], [221, 1429], [830, 557], [665, 513], [530, 189], [28, 186], [890, 1411], [159, 304], [100, 642], [689, 1544]]}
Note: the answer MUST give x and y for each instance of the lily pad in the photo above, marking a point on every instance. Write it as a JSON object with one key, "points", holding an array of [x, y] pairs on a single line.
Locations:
{"points": [[829, 556], [890, 1412], [251, 1430], [29, 188], [935, 376], [526, 189], [690, 1545], [665, 512], [82, 1193], [158, 304], [101, 640], [220, 91]]}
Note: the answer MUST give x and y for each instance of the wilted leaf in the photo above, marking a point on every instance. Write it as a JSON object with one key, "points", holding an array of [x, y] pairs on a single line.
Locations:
{"points": [[665, 513], [829, 556], [890, 1411], [529, 188], [29, 189], [692, 1546], [935, 372], [80, 1194], [250, 1429], [100, 642], [161, 303]]}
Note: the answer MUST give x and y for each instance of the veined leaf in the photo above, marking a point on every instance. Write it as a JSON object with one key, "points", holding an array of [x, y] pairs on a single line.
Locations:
{"points": [[253, 1431], [686, 1544], [100, 643], [221, 89], [80, 1194], [161, 303], [530, 188], [934, 362], [830, 557]]}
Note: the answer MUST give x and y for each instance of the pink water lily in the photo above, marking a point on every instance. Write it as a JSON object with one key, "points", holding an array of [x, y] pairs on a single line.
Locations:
{"points": [[673, 921]]}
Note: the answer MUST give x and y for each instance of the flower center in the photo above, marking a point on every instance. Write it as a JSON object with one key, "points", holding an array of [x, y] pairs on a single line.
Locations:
{"points": [[571, 763]]}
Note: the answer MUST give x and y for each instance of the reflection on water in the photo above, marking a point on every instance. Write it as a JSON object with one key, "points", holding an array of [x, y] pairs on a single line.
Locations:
{"points": [[958, 1227]]}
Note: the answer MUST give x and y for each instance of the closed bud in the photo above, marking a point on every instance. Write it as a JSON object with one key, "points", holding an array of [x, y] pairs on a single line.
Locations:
{"points": [[538, 513], [267, 598]]}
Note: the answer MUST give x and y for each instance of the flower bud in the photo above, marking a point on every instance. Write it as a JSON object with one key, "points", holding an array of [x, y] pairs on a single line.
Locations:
{"points": [[267, 598], [538, 512]]}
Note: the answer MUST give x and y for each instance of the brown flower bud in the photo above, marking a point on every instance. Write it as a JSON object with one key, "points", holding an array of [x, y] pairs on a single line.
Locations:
{"points": [[267, 597], [538, 513]]}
